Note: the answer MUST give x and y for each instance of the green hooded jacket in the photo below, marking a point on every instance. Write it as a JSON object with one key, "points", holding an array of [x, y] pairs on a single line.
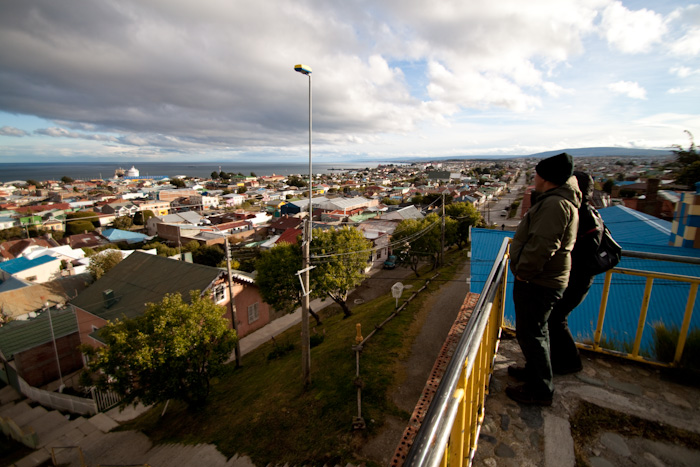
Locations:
{"points": [[541, 249]]}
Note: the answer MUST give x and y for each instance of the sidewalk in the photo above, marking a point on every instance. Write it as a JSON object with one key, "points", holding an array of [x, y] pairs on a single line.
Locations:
{"points": [[516, 434], [255, 339]]}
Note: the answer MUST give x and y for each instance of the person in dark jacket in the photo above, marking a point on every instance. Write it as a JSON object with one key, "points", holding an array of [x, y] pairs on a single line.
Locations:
{"points": [[540, 259], [565, 357]]}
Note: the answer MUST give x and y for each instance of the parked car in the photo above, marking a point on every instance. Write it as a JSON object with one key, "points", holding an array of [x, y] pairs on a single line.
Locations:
{"points": [[390, 262]]}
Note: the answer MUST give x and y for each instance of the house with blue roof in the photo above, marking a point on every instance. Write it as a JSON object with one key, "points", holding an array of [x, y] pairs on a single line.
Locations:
{"points": [[634, 231], [125, 236], [41, 269]]}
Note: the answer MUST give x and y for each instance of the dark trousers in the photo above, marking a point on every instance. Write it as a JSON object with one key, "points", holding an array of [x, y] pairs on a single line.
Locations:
{"points": [[564, 354], [533, 305]]}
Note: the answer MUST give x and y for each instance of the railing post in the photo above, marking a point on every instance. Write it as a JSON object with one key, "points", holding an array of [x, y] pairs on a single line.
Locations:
{"points": [[686, 323], [601, 313], [642, 316]]}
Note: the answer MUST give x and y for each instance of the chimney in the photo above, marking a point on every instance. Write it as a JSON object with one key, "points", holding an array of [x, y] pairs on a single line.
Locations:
{"points": [[109, 298]]}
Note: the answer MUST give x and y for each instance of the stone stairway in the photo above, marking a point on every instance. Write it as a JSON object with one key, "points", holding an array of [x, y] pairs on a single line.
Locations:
{"points": [[89, 440]]}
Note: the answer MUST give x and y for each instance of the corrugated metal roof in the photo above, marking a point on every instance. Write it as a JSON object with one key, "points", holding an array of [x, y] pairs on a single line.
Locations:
{"points": [[142, 278], [20, 264], [17, 336], [668, 298], [628, 225]]}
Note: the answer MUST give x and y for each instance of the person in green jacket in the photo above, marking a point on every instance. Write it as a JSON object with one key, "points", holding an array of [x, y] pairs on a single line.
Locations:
{"points": [[540, 259]]}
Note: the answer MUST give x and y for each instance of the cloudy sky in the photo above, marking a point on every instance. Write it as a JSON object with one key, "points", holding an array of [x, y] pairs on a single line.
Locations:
{"points": [[214, 80]]}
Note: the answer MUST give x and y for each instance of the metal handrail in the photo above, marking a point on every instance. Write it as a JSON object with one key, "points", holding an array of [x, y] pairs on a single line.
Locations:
{"points": [[439, 436], [425, 449]]}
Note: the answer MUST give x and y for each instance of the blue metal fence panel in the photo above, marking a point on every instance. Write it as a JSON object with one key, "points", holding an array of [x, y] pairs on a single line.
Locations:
{"points": [[635, 232]]}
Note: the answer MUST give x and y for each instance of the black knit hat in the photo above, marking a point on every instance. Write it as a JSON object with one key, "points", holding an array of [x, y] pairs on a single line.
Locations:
{"points": [[556, 169]]}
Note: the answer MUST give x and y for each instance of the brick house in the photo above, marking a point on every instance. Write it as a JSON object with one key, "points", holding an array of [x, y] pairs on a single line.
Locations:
{"points": [[141, 278]]}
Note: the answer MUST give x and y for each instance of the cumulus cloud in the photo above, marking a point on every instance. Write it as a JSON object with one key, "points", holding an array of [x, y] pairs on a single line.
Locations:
{"points": [[12, 131], [218, 76], [632, 31], [629, 89], [688, 45]]}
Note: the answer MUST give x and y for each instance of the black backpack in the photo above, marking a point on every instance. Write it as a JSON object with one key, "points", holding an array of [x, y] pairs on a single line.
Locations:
{"points": [[595, 250]]}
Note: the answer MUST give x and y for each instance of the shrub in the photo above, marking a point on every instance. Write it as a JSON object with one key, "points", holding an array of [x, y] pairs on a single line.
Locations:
{"points": [[666, 341]]}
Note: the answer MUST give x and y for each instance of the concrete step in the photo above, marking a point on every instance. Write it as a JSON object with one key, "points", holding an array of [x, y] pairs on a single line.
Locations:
{"points": [[49, 426], [70, 434], [40, 457], [9, 394], [12, 410], [117, 448], [27, 418], [103, 422]]}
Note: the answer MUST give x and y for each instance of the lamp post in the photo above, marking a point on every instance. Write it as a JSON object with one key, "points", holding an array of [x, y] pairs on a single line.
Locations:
{"points": [[305, 346]]}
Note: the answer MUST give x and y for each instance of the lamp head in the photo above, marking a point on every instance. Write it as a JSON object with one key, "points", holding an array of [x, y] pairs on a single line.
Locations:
{"points": [[304, 69]]}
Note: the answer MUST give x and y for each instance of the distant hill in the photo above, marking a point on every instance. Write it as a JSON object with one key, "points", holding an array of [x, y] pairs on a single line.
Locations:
{"points": [[606, 152], [576, 152]]}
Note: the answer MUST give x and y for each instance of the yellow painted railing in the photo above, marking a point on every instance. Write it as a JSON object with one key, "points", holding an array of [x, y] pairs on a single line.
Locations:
{"points": [[450, 429], [649, 276]]}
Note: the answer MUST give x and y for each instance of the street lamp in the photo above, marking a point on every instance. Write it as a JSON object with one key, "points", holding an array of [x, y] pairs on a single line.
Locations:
{"points": [[305, 346]]}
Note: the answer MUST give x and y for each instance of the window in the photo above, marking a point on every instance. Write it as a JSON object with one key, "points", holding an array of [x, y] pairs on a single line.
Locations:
{"points": [[219, 293], [253, 314]]}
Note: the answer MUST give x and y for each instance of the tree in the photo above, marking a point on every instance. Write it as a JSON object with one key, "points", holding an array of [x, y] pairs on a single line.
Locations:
{"points": [[279, 285], [102, 262], [608, 185], [418, 239], [141, 217], [215, 175], [242, 189], [689, 162], [340, 257], [172, 351], [66, 179], [122, 223], [34, 182], [83, 215], [296, 181], [78, 227], [178, 183], [465, 215], [210, 255], [163, 250], [252, 174]]}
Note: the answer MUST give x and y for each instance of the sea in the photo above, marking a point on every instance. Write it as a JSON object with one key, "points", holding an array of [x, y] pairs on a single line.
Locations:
{"points": [[41, 171]]}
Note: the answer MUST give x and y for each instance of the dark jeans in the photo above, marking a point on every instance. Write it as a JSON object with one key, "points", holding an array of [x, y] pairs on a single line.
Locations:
{"points": [[564, 354], [533, 304]]}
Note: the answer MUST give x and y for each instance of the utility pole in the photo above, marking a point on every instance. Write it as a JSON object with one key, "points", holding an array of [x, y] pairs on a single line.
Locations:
{"points": [[234, 316], [442, 242], [47, 307]]}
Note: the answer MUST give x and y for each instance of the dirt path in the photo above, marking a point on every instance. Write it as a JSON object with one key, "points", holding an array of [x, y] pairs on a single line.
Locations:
{"points": [[434, 321]]}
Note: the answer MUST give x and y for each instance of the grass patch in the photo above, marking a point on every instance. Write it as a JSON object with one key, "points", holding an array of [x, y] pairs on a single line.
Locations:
{"points": [[590, 420], [263, 411]]}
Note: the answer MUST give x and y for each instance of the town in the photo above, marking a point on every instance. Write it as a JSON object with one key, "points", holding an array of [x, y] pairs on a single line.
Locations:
{"points": [[79, 256]]}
